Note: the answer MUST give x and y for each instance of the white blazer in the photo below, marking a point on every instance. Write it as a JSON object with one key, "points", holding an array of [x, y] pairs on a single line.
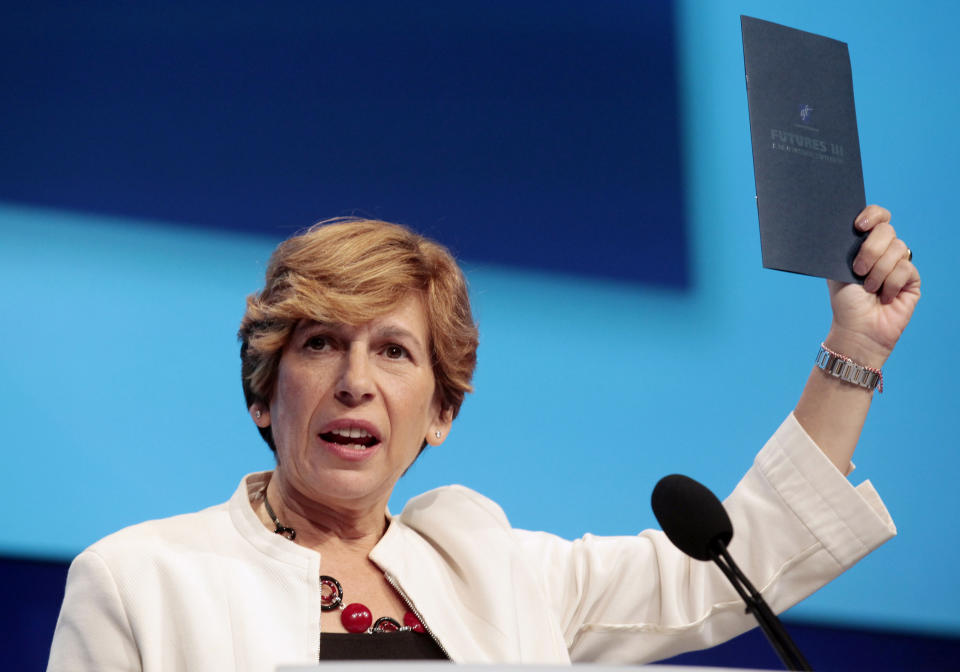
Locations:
{"points": [[216, 590]]}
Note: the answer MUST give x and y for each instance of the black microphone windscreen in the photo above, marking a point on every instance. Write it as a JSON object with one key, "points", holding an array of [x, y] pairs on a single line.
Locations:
{"points": [[691, 516]]}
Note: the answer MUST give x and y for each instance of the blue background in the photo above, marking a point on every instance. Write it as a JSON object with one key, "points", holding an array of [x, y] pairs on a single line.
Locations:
{"points": [[627, 328]]}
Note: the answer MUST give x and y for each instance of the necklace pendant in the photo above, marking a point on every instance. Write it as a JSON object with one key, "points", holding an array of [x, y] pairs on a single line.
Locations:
{"points": [[356, 617]]}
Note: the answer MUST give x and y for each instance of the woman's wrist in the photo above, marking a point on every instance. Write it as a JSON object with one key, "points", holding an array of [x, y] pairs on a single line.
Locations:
{"points": [[860, 349]]}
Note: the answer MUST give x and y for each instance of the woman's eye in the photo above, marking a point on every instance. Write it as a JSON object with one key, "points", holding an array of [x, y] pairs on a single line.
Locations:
{"points": [[395, 351], [317, 342]]}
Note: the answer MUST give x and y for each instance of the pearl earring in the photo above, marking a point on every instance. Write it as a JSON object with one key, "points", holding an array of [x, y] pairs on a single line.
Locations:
{"points": [[259, 413], [437, 434]]}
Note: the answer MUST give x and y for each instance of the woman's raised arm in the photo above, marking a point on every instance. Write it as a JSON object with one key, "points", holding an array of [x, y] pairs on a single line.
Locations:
{"points": [[867, 322]]}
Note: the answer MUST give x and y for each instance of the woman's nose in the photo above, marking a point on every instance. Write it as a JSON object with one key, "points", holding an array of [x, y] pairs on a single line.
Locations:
{"points": [[354, 385]]}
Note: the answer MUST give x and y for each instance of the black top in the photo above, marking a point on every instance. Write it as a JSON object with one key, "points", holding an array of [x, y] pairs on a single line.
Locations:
{"points": [[407, 645]]}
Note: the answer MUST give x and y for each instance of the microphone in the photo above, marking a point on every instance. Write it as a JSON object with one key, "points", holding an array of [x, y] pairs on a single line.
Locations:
{"points": [[691, 516], [695, 521]]}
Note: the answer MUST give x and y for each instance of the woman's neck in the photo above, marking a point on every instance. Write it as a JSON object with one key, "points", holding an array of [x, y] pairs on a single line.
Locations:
{"points": [[320, 526]]}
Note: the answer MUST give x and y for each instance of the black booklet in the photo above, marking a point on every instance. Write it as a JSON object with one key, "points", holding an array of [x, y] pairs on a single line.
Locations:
{"points": [[806, 151]]}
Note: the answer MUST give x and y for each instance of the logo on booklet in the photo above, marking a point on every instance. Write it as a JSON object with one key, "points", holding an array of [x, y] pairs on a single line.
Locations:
{"points": [[806, 114]]}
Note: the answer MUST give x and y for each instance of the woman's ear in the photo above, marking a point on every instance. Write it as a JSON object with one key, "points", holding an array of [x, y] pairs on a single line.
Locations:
{"points": [[260, 415], [440, 427]]}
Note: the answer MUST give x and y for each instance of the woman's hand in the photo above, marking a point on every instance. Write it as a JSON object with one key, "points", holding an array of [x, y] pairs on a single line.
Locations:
{"points": [[868, 319]]}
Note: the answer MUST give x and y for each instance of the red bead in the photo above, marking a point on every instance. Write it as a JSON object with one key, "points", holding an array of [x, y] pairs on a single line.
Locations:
{"points": [[356, 617], [411, 621]]}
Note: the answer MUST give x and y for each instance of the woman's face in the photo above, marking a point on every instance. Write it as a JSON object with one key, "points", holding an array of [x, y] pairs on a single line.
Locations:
{"points": [[353, 405]]}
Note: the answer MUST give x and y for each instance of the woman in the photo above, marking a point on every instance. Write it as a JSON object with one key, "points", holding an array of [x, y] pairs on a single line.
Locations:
{"points": [[355, 356]]}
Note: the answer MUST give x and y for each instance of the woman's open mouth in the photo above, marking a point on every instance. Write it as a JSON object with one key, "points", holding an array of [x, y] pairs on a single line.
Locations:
{"points": [[353, 437]]}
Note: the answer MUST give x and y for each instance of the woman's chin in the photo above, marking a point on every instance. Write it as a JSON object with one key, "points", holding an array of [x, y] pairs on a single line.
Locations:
{"points": [[348, 482]]}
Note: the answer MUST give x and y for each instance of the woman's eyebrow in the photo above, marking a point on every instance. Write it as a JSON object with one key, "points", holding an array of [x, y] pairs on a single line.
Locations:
{"points": [[398, 332]]}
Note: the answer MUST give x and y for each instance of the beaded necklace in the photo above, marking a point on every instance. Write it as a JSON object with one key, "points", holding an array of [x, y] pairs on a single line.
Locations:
{"points": [[355, 617]]}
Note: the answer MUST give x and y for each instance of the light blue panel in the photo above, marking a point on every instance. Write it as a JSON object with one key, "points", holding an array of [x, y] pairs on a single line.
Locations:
{"points": [[905, 71], [120, 363]]}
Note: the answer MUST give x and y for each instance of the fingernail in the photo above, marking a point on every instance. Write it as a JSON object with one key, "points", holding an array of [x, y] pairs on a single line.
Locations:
{"points": [[861, 222], [870, 285], [860, 267]]}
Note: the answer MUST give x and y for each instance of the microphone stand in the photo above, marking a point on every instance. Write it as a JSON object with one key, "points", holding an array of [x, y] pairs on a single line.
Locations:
{"points": [[769, 623]]}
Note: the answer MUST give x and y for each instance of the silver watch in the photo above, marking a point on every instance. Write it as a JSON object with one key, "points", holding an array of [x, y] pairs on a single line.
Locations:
{"points": [[846, 370]]}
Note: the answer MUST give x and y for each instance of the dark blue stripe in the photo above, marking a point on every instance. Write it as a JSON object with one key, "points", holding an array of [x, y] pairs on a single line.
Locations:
{"points": [[540, 135]]}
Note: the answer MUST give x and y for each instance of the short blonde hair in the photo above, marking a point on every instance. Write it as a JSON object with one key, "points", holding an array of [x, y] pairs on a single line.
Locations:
{"points": [[352, 270]]}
